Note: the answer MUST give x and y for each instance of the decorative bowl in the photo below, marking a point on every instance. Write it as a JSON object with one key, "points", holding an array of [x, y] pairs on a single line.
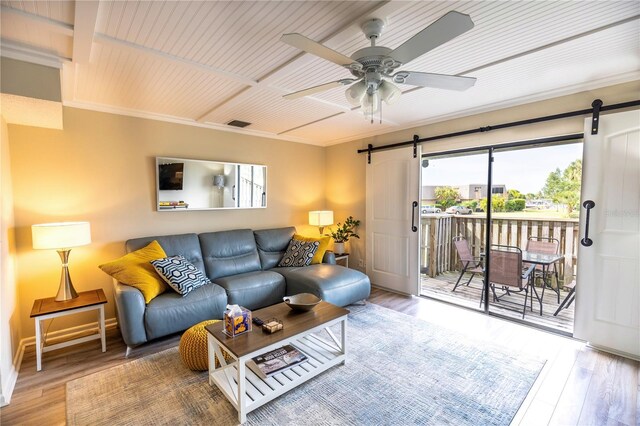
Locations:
{"points": [[302, 301]]}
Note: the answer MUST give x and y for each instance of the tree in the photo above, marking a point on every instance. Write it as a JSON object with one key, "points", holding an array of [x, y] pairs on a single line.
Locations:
{"points": [[497, 203], [564, 186], [515, 205], [515, 194], [447, 196]]}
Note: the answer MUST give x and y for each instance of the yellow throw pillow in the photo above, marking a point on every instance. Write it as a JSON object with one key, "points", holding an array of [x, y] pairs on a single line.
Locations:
{"points": [[135, 270], [322, 248]]}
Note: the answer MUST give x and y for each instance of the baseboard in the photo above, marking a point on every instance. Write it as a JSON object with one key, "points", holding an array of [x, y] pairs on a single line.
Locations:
{"points": [[9, 385], [7, 389], [53, 337]]}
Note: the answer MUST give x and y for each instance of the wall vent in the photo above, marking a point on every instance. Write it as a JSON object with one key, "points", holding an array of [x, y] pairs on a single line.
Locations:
{"points": [[238, 123]]}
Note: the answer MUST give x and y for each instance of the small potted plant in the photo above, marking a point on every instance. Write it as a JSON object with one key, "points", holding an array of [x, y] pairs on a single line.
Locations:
{"points": [[343, 233]]}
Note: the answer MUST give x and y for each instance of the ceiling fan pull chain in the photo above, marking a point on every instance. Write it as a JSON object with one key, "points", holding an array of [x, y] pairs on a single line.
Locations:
{"points": [[371, 98]]}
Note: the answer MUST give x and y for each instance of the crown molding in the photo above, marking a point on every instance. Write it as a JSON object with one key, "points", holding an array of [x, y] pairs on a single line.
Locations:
{"points": [[26, 53]]}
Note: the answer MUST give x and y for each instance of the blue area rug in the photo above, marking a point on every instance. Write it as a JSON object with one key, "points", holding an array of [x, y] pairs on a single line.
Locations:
{"points": [[400, 371]]}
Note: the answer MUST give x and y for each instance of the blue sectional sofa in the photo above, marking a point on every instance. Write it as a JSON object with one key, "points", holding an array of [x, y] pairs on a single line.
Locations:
{"points": [[242, 265]]}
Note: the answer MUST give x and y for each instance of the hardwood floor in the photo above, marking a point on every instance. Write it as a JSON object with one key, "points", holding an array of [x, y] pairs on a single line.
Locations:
{"points": [[577, 386]]}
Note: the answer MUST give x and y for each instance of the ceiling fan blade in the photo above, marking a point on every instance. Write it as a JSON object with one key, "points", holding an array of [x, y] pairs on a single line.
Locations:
{"points": [[439, 81], [303, 43], [446, 28], [318, 89]]}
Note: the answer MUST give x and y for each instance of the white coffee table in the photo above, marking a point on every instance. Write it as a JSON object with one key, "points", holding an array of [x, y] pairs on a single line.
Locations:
{"points": [[308, 331]]}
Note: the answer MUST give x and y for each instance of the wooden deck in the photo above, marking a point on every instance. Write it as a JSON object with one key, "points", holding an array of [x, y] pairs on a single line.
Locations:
{"points": [[440, 287]]}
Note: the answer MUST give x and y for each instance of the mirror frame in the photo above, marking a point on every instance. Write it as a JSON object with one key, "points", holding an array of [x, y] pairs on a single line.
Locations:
{"points": [[177, 159]]}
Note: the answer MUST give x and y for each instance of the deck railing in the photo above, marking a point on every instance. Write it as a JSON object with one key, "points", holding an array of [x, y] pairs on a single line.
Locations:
{"points": [[438, 253]]}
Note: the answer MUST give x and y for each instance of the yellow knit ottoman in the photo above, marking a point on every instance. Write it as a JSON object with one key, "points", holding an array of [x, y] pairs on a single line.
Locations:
{"points": [[193, 347]]}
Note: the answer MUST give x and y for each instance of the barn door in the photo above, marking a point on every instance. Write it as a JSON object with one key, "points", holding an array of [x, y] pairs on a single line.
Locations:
{"points": [[393, 219], [608, 291]]}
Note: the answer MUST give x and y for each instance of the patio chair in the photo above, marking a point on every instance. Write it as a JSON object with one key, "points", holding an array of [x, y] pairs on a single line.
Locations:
{"points": [[545, 245], [507, 274], [469, 262], [568, 300]]}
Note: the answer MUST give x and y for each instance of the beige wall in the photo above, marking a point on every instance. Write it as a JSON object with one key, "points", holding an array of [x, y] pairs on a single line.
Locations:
{"points": [[9, 311], [346, 170], [101, 168]]}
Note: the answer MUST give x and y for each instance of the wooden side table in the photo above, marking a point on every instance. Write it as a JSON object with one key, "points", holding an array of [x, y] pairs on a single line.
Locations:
{"points": [[343, 257], [48, 308]]}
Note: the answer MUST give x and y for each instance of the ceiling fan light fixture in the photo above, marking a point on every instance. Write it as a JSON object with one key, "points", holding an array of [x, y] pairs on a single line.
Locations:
{"points": [[356, 92], [389, 92], [370, 103]]}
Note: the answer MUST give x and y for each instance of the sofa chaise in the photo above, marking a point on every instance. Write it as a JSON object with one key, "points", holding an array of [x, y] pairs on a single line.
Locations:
{"points": [[243, 268]]}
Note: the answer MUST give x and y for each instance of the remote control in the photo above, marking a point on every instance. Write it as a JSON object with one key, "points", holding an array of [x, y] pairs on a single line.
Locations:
{"points": [[258, 322]]}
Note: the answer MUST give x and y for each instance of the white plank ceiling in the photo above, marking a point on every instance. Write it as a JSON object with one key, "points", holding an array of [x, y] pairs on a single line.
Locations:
{"points": [[209, 62]]}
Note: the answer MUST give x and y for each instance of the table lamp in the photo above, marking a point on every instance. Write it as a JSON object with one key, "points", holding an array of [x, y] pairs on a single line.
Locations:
{"points": [[321, 218], [62, 237]]}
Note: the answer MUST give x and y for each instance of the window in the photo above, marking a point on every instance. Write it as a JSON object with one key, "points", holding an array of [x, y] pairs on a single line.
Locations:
{"points": [[498, 190]]}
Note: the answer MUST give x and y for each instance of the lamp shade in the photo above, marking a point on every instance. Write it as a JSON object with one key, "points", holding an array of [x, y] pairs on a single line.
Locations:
{"points": [[389, 92], [62, 235], [321, 218], [370, 103], [356, 92]]}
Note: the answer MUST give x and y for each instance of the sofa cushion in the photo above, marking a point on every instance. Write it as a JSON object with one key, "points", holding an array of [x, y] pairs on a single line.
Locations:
{"points": [[299, 253], [180, 274], [186, 245], [135, 270], [332, 283], [170, 312], [272, 243], [254, 289], [229, 253]]}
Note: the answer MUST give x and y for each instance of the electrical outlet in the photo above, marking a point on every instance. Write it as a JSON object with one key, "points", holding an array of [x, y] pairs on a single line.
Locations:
{"points": [[361, 263]]}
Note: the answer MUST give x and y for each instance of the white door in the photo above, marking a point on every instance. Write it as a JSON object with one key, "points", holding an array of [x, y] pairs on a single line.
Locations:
{"points": [[608, 280], [393, 220]]}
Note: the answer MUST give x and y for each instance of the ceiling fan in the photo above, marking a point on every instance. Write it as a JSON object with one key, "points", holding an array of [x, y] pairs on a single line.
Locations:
{"points": [[375, 67]]}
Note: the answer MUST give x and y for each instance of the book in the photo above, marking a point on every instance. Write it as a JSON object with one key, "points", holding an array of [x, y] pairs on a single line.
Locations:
{"points": [[275, 361]]}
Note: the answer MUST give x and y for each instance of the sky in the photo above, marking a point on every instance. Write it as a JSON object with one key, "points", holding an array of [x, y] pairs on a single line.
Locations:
{"points": [[524, 169]]}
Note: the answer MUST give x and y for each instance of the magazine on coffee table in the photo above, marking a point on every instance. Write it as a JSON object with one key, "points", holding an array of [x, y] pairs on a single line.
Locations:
{"points": [[275, 361]]}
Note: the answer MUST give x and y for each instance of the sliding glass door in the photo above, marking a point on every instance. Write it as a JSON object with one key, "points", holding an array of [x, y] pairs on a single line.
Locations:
{"points": [[534, 222], [534, 193], [454, 226]]}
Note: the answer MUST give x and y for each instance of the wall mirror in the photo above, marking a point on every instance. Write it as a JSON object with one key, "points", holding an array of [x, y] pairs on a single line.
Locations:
{"points": [[183, 184]]}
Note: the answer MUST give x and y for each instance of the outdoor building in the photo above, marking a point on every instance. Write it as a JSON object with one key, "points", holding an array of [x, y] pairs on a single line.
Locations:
{"points": [[472, 191]]}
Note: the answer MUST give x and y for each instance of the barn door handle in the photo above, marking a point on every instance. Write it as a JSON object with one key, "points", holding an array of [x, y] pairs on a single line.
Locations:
{"points": [[586, 241], [414, 228]]}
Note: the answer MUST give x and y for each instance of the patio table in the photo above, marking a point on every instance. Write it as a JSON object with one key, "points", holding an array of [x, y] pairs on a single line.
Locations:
{"points": [[545, 260]]}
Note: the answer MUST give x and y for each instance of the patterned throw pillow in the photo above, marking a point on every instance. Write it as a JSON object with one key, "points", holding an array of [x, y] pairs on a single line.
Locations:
{"points": [[299, 253], [180, 274], [322, 248]]}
